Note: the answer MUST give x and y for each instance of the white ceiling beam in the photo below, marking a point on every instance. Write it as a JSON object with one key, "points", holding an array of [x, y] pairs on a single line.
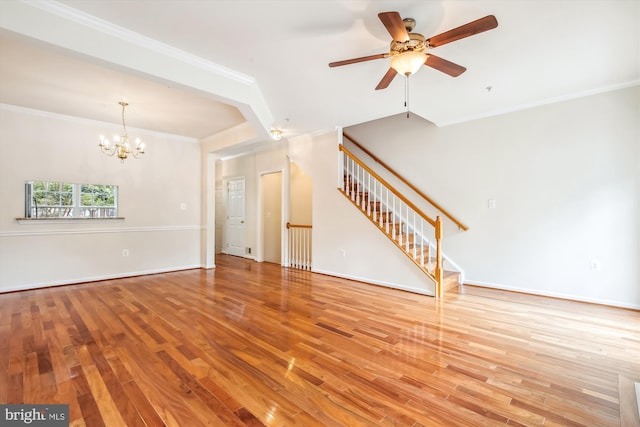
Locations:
{"points": [[103, 42]]}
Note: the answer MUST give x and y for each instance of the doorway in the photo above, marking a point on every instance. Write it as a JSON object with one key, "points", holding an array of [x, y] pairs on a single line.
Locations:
{"points": [[271, 195]]}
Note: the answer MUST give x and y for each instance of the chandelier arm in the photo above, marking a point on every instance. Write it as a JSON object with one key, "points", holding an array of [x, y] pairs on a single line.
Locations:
{"points": [[110, 151]]}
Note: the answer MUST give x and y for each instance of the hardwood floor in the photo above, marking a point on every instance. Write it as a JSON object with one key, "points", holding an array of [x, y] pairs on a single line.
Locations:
{"points": [[251, 344]]}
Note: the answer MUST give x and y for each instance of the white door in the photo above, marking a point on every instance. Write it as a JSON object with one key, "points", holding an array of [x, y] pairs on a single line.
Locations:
{"points": [[235, 217]]}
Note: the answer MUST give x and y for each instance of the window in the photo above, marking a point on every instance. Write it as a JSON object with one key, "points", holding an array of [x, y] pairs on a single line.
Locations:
{"points": [[44, 199]]}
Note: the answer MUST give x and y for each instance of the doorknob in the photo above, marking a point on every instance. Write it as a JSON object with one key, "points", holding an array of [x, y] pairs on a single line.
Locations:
{"points": [[241, 222]]}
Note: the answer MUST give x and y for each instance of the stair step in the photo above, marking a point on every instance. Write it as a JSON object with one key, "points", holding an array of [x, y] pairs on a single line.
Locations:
{"points": [[410, 237], [450, 280], [383, 227], [381, 216]]}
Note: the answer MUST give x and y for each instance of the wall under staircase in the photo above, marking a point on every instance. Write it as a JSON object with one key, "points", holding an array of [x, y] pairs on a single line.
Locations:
{"points": [[414, 233]]}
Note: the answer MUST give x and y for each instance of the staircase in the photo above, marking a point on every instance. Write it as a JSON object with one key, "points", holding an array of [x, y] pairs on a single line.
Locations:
{"points": [[417, 235]]}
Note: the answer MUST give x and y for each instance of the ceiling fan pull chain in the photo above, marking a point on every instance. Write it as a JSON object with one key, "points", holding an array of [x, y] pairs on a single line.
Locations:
{"points": [[406, 94]]}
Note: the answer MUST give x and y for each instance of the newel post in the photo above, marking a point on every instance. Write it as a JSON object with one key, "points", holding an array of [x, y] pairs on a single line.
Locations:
{"points": [[439, 269]]}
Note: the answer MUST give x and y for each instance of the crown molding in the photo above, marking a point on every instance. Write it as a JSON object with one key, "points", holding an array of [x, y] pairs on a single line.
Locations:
{"points": [[540, 103], [91, 122]]}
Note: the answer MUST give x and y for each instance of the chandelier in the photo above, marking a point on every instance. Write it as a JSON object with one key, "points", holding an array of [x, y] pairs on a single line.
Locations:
{"points": [[121, 145]]}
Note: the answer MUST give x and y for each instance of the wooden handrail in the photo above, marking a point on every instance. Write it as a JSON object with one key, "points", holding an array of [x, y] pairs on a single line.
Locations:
{"points": [[289, 225], [389, 186], [408, 184]]}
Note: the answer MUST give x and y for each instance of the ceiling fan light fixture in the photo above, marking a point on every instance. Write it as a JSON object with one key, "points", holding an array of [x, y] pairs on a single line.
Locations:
{"points": [[407, 63]]}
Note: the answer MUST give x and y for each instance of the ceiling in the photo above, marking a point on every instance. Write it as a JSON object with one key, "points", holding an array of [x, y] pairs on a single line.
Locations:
{"points": [[542, 51]]}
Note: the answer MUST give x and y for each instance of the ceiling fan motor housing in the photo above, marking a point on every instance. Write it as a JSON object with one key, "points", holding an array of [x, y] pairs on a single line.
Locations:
{"points": [[416, 43]]}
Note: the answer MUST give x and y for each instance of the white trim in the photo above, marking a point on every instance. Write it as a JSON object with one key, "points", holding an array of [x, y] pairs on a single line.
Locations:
{"points": [[245, 256], [565, 296], [375, 282], [637, 387], [251, 146], [209, 204], [127, 35], [286, 211], [98, 230], [67, 220], [97, 278], [542, 102], [91, 122]]}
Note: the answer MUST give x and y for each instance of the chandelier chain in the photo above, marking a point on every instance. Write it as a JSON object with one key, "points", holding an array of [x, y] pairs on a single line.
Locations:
{"points": [[124, 126]]}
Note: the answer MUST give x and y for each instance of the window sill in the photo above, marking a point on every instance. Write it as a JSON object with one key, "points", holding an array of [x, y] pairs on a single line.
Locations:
{"points": [[64, 220]]}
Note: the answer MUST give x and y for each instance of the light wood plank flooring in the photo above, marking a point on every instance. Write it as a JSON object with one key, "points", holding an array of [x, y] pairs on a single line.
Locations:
{"points": [[252, 344]]}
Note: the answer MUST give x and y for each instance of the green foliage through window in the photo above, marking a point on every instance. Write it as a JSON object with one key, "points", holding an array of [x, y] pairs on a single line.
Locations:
{"points": [[97, 195], [45, 199]]}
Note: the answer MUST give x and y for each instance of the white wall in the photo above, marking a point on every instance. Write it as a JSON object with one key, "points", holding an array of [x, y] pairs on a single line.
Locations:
{"points": [[300, 196], [160, 235], [565, 178], [271, 207]]}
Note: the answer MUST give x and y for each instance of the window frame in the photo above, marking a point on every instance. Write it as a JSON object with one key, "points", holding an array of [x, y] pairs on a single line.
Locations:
{"points": [[75, 211]]}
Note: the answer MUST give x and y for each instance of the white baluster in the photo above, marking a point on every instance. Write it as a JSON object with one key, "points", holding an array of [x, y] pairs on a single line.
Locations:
{"points": [[400, 223], [344, 171], [422, 243], [393, 216], [369, 195]]}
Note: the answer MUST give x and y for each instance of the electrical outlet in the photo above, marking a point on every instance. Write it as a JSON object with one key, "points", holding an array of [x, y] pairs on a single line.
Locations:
{"points": [[342, 252], [125, 252], [595, 265]]}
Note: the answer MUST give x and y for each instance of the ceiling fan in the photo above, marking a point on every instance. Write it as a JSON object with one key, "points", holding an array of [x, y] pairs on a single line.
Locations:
{"points": [[408, 50]]}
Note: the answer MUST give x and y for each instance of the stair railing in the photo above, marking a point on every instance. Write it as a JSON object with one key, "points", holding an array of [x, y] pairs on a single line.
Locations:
{"points": [[429, 200], [418, 235], [299, 254]]}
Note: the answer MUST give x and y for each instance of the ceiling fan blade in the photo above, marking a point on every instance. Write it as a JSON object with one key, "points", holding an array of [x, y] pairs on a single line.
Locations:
{"points": [[393, 23], [386, 80], [356, 60], [478, 26], [447, 67]]}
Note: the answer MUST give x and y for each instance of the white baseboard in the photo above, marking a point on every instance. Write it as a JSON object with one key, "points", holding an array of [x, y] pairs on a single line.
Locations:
{"points": [[30, 286], [245, 256], [375, 282], [559, 295]]}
